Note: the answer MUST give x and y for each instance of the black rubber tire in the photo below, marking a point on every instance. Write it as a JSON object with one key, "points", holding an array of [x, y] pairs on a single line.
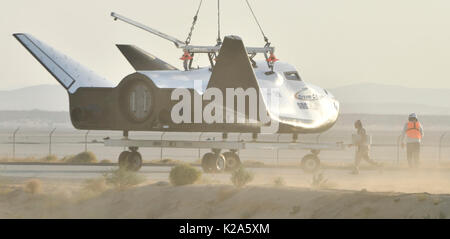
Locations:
{"points": [[123, 159], [221, 163], [209, 163], [134, 161], [233, 161], [310, 163], [213, 163]]}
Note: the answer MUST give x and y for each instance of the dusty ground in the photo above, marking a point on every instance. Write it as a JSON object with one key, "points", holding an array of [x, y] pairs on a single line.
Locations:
{"points": [[391, 193], [225, 201]]}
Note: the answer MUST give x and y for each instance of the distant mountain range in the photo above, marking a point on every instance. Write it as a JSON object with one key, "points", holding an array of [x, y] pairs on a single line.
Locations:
{"points": [[355, 99], [389, 99], [39, 97]]}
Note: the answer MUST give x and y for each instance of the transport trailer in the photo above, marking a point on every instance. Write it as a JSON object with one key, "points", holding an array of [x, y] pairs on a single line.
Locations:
{"points": [[223, 155]]}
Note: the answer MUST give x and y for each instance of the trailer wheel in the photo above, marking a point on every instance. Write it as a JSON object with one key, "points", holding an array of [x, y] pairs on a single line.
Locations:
{"points": [[310, 163], [123, 159], [233, 161], [134, 161], [131, 161], [212, 163]]}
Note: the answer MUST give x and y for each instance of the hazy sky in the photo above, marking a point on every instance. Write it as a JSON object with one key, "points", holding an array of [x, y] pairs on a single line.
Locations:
{"points": [[331, 42]]}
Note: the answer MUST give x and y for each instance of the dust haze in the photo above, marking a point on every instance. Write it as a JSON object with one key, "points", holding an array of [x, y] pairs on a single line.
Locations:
{"points": [[375, 194], [381, 69]]}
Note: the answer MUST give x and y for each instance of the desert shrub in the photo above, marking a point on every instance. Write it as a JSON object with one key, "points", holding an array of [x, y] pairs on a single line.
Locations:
{"points": [[184, 174], [122, 178], [96, 185], [84, 157], [49, 158], [279, 181], [241, 177], [105, 161], [422, 197], [33, 186]]}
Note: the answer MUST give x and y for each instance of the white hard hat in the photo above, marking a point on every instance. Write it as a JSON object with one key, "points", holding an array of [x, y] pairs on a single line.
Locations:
{"points": [[412, 115]]}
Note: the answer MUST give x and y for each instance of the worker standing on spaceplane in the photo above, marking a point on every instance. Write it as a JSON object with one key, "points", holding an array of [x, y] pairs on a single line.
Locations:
{"points": [[414, 132]]}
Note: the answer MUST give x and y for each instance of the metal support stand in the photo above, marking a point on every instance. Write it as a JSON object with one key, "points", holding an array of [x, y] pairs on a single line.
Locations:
{"points": [[85, 140], [161, 149]]}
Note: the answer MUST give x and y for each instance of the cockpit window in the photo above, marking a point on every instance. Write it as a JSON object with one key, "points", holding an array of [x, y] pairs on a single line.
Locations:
{"points": [[292, 75]]}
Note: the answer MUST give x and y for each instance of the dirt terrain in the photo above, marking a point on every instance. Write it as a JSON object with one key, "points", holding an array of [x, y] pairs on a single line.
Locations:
{"points": [[392, 193]]}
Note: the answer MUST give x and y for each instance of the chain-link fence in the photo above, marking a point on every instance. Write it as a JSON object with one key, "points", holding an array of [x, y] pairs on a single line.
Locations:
{"points": [[22, 143]]}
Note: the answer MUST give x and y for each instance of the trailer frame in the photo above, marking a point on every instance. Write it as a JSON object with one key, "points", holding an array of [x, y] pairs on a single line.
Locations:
{"points": [[309, 163]]}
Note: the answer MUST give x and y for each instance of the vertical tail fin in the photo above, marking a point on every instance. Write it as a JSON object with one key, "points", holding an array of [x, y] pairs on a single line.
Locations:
{"points": [[233, 68]]}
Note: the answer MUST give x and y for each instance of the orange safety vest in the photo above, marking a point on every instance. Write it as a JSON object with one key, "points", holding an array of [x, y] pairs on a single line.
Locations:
{"points": [[413, 130]]}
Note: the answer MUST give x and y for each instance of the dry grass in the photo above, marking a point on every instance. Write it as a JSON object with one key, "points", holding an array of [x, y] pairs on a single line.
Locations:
{"points": [[241, 177], [421, 197], [33, 186], [184, 174], [166, 161], [81, 158], [279, 182], [49, 158], [23, 159], [106, 161], [122, 178]]}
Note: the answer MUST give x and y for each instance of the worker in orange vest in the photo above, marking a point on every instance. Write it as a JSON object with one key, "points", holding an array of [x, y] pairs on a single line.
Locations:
{"points": [[414, 132]]}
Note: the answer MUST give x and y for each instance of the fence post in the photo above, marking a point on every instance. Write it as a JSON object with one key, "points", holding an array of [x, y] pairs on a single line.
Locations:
{"points": [[199, 138], [239, 140], [440, 146], [50, 142], [14, 142], [161, 150], [85, 140]]}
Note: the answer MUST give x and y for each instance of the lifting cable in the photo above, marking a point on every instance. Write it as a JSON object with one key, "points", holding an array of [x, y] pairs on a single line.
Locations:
{"points": [[257, 22], [188, 39], [219, 40]]}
